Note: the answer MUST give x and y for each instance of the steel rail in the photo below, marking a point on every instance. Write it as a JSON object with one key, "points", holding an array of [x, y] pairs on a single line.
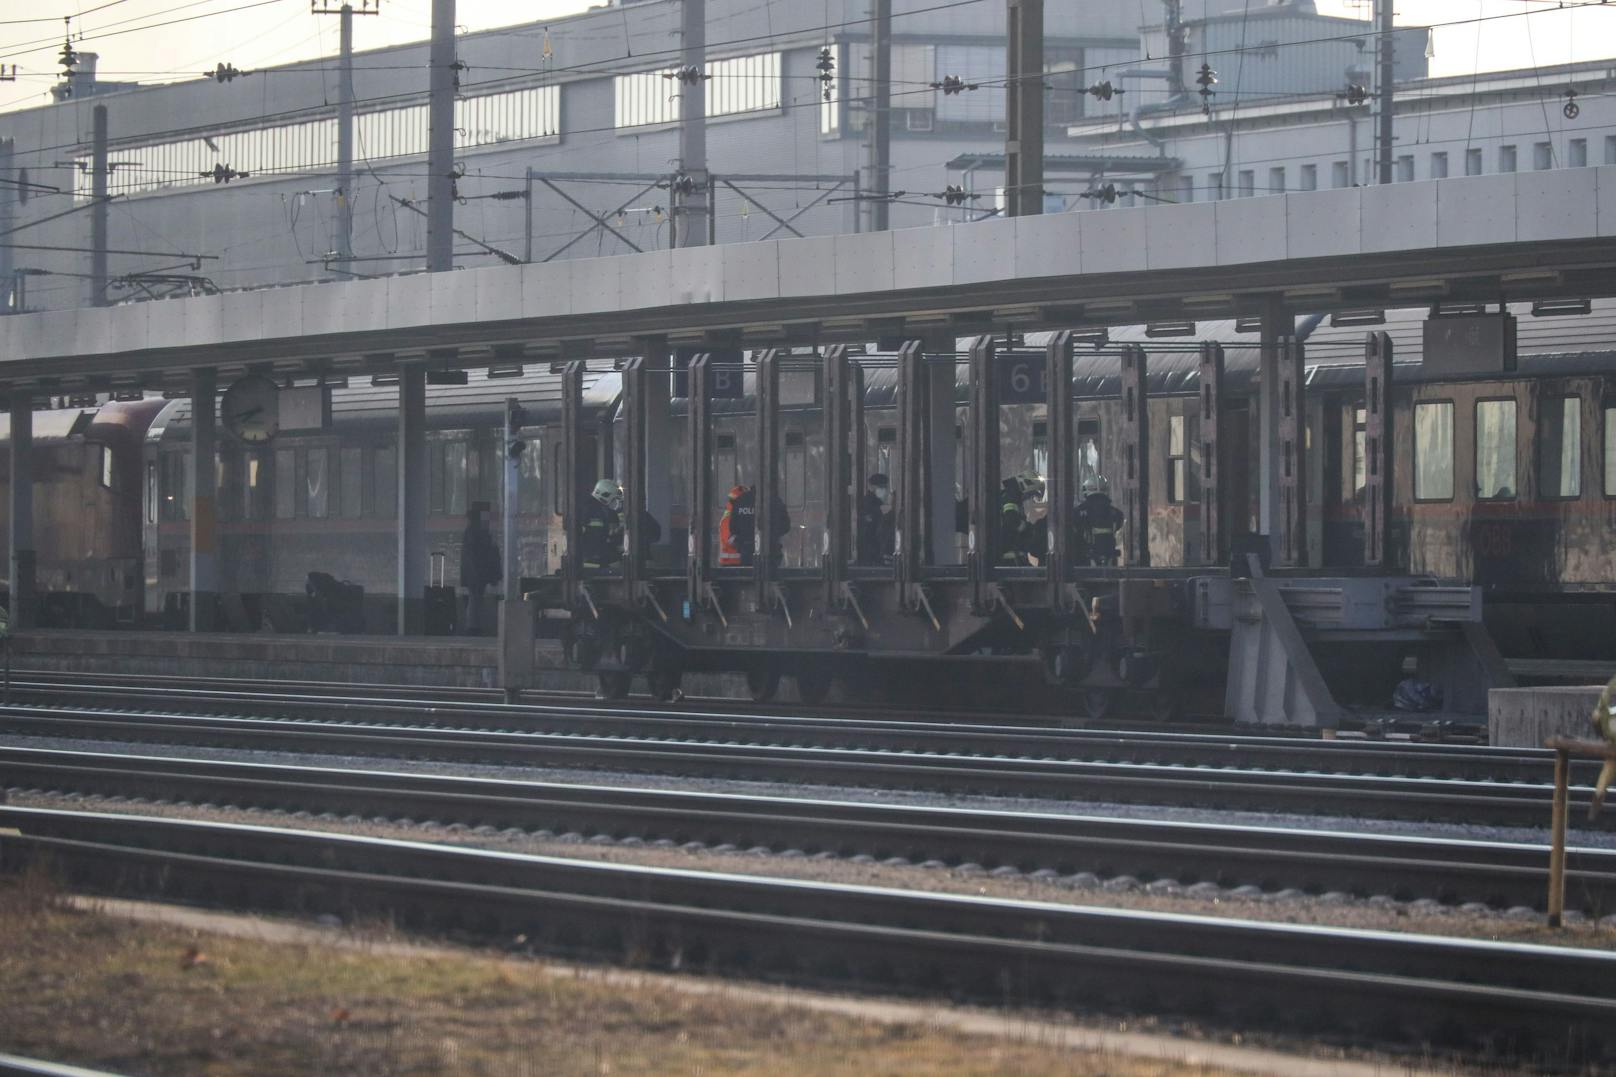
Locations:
{"points": [[1498, 873], [1227, 788], [1519, 1001], [1186, 749]]}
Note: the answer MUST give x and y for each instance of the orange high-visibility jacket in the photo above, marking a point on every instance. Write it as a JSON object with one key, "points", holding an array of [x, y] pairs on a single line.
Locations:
{"points": [[729, 556]]}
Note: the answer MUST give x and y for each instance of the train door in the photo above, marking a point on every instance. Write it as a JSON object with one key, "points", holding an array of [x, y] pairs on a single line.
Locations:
{"points": [[1343, 479], [1240, 493]]}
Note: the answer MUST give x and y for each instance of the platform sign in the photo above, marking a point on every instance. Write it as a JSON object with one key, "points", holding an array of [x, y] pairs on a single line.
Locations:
{"points": [[726, 374], [1469, 344], [1022, 378]]}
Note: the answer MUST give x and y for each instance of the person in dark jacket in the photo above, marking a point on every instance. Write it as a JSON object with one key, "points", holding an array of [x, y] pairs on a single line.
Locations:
{"points": [[602, 537], [875, 524], [480, 565], [1096, 522]]}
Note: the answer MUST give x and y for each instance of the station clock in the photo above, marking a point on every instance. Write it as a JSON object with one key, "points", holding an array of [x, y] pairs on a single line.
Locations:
{"points": [[250, 409]]}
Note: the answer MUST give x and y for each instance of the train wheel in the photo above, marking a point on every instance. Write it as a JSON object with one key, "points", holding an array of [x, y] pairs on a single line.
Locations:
{"points": [[762, 684], [665, 684], [612, 685], [1097, 702], [813, 686]]}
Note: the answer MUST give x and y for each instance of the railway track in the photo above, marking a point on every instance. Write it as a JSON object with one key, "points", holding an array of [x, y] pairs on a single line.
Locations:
{"points": [[1501, 874], [698, 724], [1043, 775], [1513, 1001]]}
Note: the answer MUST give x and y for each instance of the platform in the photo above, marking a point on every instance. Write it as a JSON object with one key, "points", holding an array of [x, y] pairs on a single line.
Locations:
{"points": [[436, 661], [1529, 717]]}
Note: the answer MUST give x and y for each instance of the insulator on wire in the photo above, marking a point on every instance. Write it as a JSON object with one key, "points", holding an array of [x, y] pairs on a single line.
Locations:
{"points": [[1570, 110], [826, 65], [953, 84], [1357, 94], [1105, 90]]}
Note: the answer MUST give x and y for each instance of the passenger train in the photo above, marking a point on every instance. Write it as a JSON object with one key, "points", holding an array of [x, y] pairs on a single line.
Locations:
{"points": [[1505, 480]]}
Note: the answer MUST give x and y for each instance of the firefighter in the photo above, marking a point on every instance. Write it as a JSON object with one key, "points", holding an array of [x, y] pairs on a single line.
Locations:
{"points": [[1097, 521], [601, 536], [736, 528], [875, 525], [1018, 537], [1605, 723]]}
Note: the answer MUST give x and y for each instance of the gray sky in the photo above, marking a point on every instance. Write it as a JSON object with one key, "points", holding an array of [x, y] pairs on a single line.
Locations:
{"points": [[1513, 33]]}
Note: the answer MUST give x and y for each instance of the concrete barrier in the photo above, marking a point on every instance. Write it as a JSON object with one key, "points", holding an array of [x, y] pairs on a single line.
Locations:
{"points": [[1526, 717]]}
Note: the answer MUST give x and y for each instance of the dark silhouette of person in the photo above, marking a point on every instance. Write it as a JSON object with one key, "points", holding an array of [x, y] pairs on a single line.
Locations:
{"points": [[480, 565]]}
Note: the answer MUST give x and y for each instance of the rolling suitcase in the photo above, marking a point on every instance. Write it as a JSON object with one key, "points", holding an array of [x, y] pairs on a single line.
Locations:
{"points": [[442, 612]]}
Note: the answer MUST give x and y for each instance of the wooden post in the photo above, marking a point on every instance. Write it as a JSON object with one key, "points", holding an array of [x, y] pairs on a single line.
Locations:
{"points": [[1562, 779]]}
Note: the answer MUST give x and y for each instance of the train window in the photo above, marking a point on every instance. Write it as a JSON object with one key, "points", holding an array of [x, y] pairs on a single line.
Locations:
{"points": [[454, 478], [726, 467], [1088, 452], [151, 492], [1177, 469], [285, 484], [384, 503], [176, 485], [104, 465], [796, 464], [1610, 451], [435, 483], [885, 439], [1495, 449], [317, 477], [253, 487], [1040, 448], [529, 472], [1433, 451], [351, 492], [1360, 456], [1559, 451]]}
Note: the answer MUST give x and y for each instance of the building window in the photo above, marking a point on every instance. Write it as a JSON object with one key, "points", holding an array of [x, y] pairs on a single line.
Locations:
{"points": [[1610, 452], [1063, 75], [1248, 182], [1214, 185], [1310, 178], [1186, 188], [1506, 158], [1495, 449], [1340, 175], [743, 84], [310, 146], [1405, 168], [1433, 451], [1542, 156], [1276, 180], [1177, 466], [1439, 166], [1577, 153], [1472, 162], [1610, 149], [1559, 454]]}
